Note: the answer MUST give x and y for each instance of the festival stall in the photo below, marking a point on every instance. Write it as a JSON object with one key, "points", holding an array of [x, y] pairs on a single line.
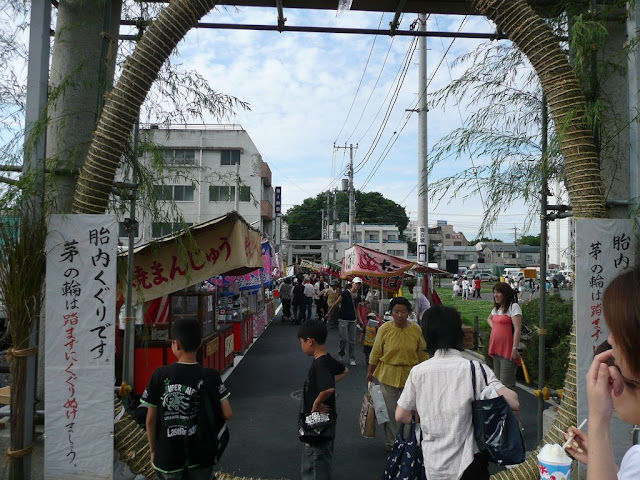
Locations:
{"points": [[246, 302], [169, 280]]}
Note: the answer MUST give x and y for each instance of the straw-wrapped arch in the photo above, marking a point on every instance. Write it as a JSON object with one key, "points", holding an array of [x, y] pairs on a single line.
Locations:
{"points": [[514, 17]]}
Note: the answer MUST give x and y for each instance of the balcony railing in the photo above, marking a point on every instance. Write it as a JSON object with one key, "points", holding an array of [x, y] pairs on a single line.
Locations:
{"points": [[265, 172], [266, 209]]}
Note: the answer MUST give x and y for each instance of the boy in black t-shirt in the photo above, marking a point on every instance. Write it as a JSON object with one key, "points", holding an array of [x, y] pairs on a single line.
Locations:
{"points": [[319, 396], [173, 405]]}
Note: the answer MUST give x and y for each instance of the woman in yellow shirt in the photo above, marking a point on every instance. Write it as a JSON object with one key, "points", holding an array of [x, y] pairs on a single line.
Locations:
{"points": [[399, 347]]}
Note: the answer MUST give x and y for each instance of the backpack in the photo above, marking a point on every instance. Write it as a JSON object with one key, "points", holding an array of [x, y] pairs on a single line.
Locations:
{"points": [[212, 434]]}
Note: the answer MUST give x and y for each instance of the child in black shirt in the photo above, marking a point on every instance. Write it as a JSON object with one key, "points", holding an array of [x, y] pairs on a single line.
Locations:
{"points": [[173, 405], [319, 396]]}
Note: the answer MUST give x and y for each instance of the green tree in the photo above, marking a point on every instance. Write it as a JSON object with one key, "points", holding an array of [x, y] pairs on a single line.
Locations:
{"points": [[371, 207], [533, 240], [484, 239]]}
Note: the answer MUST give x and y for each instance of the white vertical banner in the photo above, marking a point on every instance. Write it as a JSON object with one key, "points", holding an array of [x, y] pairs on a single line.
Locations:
{"points": [[603, 249], [80, 346]]}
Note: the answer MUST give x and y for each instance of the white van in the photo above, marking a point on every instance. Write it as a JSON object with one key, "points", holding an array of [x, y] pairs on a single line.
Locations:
{"points": [[513, 272]]}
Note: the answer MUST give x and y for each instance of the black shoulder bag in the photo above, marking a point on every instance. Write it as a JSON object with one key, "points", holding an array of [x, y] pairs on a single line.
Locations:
{"points": [[212, 434], [495, 427]]}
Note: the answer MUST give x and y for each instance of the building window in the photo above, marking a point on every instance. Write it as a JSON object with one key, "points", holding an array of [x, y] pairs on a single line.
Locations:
{"points": [[122, 230], [225, 193], [179, 156], [178, 193], [160, 229], [528, 258], [229, 157], [397, 253], [447, 235], [457, 244]]}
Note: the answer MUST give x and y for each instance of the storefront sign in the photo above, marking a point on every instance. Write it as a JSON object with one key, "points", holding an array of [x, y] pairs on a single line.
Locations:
{"points": [[212, 347], [80, 346], [604, 249], [278, 200], [223, 246], [228, 345]]}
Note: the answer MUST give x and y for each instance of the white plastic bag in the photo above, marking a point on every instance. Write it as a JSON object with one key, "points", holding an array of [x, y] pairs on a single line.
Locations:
{"points": [[378, 403]]}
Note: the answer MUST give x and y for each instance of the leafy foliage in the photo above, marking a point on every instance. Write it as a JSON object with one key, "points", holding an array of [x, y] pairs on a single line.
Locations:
{"points": [[500, 135], [533, 240], [304, 220], [484, 239], [559, 321]]}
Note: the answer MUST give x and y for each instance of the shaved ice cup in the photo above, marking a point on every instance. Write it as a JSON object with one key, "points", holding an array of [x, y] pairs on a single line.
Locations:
{"points": [[550, 470]]}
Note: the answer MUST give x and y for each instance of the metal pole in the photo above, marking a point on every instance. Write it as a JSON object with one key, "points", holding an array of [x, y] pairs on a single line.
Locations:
{"points": [[352, 202], [423, 200], [128, 353], [237, 197], [543, 268], [34, 162]]}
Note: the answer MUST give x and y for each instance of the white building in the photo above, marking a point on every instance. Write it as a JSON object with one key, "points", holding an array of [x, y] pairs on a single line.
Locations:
{"points": [[383, 238], [200, 178], [560, 247]]}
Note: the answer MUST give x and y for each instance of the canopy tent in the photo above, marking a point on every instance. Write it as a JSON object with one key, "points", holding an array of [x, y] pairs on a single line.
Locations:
{"points": [[254, 280], [226, 245]]}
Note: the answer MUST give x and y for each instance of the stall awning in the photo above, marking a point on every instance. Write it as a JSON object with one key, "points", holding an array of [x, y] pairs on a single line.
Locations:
{"points": [[223, 246], [363, 261]]}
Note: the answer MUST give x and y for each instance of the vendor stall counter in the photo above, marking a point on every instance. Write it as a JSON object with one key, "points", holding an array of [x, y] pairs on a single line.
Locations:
{"points": [[153, 344]]}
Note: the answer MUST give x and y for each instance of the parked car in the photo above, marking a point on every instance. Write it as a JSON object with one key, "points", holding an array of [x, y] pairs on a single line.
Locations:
{"points": [[484, 274]]}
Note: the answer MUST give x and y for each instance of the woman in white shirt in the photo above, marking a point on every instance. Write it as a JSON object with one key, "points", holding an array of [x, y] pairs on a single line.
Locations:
{"points": [[613, 384], [440, 390]]}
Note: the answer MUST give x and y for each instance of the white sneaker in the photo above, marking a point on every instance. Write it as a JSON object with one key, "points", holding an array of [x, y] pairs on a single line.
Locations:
{"points": [[352, 362]]}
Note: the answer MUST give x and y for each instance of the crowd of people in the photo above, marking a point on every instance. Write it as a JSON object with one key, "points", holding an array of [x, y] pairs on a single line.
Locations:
{"points": [[420, 370]]}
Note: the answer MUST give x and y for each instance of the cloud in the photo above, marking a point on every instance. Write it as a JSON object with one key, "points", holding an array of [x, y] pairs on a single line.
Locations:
{"points": [[301, 87]]}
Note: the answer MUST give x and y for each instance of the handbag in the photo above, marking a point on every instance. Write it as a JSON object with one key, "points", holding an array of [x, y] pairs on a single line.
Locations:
{"points": [[405, 461], [367, 419], [495, 427], [316, 427]]}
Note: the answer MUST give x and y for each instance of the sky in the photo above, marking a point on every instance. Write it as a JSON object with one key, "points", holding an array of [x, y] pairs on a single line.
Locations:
{"points": [[309, 91]]}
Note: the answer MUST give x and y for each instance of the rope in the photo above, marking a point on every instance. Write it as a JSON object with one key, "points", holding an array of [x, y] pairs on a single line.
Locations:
{"points": [[20, 453], [25, 352]]}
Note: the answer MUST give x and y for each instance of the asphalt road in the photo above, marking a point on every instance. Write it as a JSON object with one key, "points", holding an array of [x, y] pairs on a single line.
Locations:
{"points": [[265, 397]]}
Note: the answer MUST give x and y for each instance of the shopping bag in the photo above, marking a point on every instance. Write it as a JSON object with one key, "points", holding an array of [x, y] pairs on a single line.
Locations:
{"points": [[367, 416], [382, 415], [405, 461], [316, 427], [496, 428]]}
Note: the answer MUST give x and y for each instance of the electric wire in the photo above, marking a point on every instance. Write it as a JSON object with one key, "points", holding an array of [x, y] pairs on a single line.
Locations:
{"points": [[360, 83], [398, 132], [392, 102], [373, 89], [475, 170]]}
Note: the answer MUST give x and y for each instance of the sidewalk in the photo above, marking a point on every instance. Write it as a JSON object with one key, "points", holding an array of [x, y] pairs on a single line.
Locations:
{"points": [[265, 396]]}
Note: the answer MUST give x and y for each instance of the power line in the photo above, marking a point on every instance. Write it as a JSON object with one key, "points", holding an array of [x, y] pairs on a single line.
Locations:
{"points": [[392, 102], [375, 85], [385, 153], [359, 84]]}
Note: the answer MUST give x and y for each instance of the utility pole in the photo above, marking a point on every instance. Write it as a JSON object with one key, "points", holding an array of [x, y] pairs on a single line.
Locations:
{"points": [[423, 199], [335, 213], [34, 163], [542, 332], [322, 237], [352, 197], [328, 217], [237, 199], [515, 243]]}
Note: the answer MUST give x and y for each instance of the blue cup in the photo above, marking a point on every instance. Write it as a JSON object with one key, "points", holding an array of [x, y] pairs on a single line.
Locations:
{"points": [[554, 470]]}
